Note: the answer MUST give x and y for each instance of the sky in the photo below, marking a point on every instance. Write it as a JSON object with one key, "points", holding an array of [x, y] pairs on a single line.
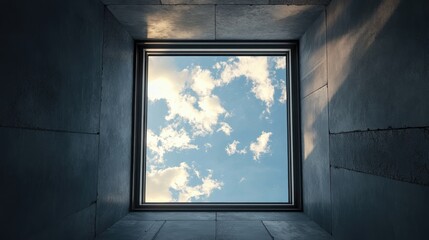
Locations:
{"points": [[216, 129]]}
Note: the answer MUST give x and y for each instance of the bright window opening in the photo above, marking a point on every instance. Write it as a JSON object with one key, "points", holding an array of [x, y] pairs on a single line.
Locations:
{"points": [[215, 127]]}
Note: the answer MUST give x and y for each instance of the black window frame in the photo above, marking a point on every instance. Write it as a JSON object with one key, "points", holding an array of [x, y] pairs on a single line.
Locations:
{"points": [[204, 48]]}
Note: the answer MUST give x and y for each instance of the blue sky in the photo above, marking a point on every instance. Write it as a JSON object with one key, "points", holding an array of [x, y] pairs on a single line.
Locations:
{"points": [[216, 129]]}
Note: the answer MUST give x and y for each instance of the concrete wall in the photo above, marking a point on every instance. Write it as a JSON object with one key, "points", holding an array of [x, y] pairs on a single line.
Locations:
{"points": [[50, 128], [375, 116], [114, 169], [315, 134]]}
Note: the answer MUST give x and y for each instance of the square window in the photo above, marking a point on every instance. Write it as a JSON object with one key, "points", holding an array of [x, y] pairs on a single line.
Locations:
{"points": [[216, 126]]}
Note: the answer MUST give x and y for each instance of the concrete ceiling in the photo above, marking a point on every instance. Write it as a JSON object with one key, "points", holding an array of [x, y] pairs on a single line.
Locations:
{"points": [[216, 19], [226, 2]]}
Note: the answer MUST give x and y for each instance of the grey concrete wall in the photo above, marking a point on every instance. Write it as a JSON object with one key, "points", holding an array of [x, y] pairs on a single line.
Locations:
{"points": [[49, 118], [214, 20], [315, 134], [50, 131], [377, 60], [114, 170], [378, 118]]}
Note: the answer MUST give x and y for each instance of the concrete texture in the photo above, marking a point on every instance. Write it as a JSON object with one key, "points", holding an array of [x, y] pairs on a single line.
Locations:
{"points": [[315, 124], [171, 216], [77, 226], [198, 22], [292, 230], [114, 168], [264, 216], [50, 65], [167, 21], [372, 207], [131, 2], [187, 230], [301, 2], [315, 158], [377, 65], [241, 230], [264, 22], [45, 177], [396, 154], [50, 120], [314, 80], [201, 225], [227, 2], [313, 57], [378, 98], [130, 230]]}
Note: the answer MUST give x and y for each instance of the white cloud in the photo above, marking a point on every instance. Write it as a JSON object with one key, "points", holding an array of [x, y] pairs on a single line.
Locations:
{"points": [[232, 149], [168, 140], [254, 69], [261, 145], [226, 128], [162, 182], [280, 62], [283, 95], [166, 83], [202, 81]]}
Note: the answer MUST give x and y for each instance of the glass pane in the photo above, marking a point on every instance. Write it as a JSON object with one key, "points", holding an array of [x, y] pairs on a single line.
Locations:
{"points": [[216, 129]]}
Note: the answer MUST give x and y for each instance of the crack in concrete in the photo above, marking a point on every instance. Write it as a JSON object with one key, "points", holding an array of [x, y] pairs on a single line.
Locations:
{"points": [[50, 130], [379, 175], [425, 128]]}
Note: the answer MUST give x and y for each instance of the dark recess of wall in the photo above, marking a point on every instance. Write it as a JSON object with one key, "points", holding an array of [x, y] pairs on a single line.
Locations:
{"points": [[50, 76], [114, 168], [51, 65]]}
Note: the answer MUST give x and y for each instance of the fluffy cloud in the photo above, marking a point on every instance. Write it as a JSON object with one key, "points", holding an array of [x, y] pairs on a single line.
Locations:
{"points": [[161, 183], [232, 149], [254, 69], [202, 81], [165, 83], [280, 62], [168, 140], [283, 95], [261, 145], [225, 127]]}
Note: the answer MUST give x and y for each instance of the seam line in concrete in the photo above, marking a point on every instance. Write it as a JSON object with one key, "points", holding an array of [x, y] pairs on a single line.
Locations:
{"points": [[376, 175], [313, 68], [159, 230], [379, 130], [81, 209], [263, 224], [325, 85], [50, 130]]}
